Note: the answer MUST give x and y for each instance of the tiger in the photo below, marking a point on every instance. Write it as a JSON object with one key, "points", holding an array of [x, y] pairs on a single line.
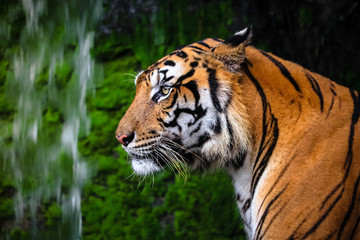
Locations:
{"points": [[289, 138]]}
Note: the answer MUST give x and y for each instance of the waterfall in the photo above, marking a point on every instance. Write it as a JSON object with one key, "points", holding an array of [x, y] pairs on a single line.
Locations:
{"points": [[49, 80]]}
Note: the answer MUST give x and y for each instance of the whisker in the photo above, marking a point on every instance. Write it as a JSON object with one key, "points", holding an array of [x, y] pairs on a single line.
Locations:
{"points": [[153, 180], [164, 158], [131, 175], [156, 159], [176, 160], [129, 74], [176, 145]]}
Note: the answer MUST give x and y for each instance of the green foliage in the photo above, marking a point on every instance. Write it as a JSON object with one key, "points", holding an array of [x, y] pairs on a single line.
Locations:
{"points": [[18, 234], [6, 201], [52, 215], [6, 109], [174, 25]]}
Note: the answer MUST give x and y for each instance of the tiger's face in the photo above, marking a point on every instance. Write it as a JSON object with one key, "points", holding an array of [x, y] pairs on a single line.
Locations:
{"points": [[180, 114]]}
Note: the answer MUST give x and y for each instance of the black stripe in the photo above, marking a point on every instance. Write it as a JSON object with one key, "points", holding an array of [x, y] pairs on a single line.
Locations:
{"points": [[323, 217], [329, 236], [315, 86], [354, 230], [156, 96], [193, 87], [163, 71], [198, 52], [214, 85], [348, 161], [267, 146], [167, 79], [350, 209], [258, 88], [327, 198], [331, 106], [196, 129], [238, 161], [266, 212], [185, 76], [194, 64], [197, 114], [217, 39], [173, 101], [257, 173], [201, 140], [181, 54], [347, 165], [272, 219], [231, 133], [169, 63], [246, 205], [204, 44], [333, 91], [216, 127], [295, 232], [354, 120], [200, 49], [285, 72], [332, 88], [276, 182]]}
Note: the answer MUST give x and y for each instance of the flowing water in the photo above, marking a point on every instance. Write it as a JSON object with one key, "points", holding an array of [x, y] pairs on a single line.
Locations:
{"points": [[49, 79]]}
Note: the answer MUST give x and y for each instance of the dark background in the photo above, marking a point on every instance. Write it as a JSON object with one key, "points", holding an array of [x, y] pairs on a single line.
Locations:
{"points": [[322, 35]]}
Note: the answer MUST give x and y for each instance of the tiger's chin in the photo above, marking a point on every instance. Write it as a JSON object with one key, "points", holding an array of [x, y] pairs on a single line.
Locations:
{"points": [[144, 167]]}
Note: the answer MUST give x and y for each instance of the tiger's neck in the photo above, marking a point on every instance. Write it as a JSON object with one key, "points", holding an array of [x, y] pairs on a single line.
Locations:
{"points": [[275, 100], [257, 88]]}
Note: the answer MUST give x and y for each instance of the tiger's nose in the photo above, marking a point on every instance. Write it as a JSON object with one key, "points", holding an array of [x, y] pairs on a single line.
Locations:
{"points": [[125, 139]]}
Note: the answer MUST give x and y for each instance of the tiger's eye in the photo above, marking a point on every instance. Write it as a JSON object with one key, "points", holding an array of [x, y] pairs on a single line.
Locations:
{"points": [[165, 90]]}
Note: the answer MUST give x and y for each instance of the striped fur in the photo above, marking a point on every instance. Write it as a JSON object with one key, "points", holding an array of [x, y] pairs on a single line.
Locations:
{"points": [[289, 138]]}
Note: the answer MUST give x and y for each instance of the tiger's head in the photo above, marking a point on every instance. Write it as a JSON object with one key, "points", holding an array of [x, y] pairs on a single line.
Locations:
{"points": [[187, 110]]}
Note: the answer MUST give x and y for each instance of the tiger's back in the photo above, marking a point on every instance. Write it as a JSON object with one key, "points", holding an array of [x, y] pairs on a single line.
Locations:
{"points": [[288, 137]]}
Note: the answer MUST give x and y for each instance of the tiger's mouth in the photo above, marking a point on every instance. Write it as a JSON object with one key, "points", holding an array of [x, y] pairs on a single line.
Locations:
{"points": [[158, 156]]}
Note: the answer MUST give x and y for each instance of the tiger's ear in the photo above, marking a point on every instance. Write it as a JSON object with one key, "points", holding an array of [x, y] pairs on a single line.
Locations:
{"points": [[232, 51]]}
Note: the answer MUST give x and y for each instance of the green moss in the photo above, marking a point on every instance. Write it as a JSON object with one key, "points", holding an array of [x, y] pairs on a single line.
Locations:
{"points": [[52, 215], [6, 108], [7, 191], [18, 234], [6, 208]]}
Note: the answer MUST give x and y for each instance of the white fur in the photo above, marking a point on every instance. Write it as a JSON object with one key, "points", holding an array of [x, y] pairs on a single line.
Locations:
{"points": [[176, 71], [144, 167], [242, 184], [136, 78], [241, 32], [157, 77]]}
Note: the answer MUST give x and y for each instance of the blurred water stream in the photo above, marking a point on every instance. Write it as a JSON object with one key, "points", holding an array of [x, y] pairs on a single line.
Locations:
{"points": [[43, 156]]}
